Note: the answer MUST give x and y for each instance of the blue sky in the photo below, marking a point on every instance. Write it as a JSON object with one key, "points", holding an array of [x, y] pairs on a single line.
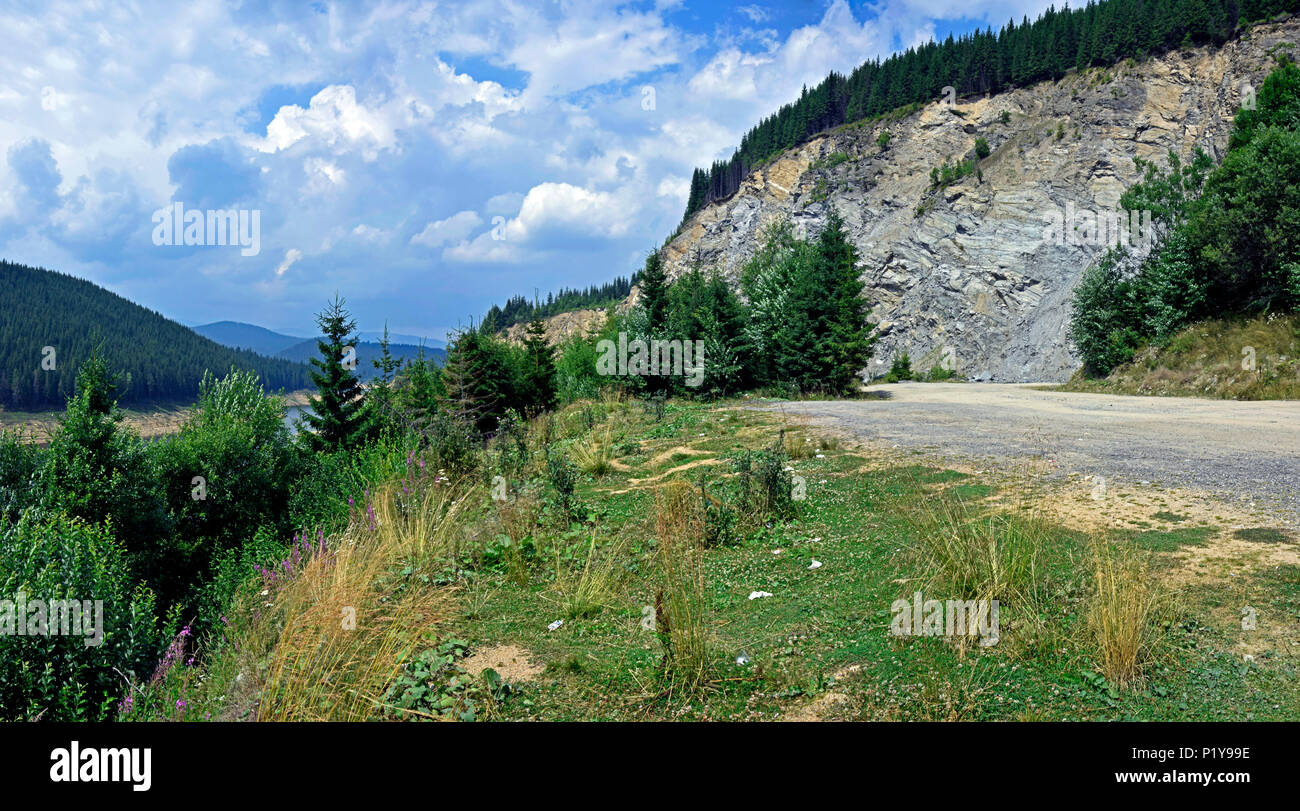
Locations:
{"points": [[424, 160]]}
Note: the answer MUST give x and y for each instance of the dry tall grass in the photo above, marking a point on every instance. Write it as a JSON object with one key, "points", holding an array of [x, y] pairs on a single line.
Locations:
{"points": [[1125, 613], [335, 634], [680, 614]]}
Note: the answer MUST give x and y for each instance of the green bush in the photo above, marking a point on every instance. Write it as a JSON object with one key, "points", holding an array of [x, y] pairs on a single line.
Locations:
{"points": [[19, 465], [225, 475], [900, 369], [97, 471], [59, 677]]}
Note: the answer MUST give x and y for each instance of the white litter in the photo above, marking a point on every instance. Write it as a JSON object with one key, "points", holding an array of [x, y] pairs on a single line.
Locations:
{"points": [[754, 595], [554, 625], [816, 564]]}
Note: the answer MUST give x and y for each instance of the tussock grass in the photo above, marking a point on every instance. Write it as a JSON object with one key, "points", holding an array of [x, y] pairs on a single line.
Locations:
{"points": [[970, 554], [1125, 613], [680, 615], [680, 619], [594, 453], [679, 519], [596, 586]]}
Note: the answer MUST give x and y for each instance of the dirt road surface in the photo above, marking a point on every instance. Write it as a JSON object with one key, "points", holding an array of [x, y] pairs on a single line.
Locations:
{"points": [[1243, 453]]}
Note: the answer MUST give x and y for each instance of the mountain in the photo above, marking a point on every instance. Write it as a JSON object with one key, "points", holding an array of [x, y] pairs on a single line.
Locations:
{"points": [[367, 352], [247, 336], [372, 336], [53, 320], [967, 266]]}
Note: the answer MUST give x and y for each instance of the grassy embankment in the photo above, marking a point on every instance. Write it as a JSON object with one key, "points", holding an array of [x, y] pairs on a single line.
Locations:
{"points": [[456, 596], [1238, 359]]}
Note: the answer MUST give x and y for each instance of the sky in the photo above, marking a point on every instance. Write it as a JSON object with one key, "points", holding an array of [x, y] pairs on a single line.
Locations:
{"points": [[421, 160]]}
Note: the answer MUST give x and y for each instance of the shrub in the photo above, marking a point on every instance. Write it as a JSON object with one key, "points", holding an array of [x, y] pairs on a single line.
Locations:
{"points": [[19, 464], [900, 369], [224, 475], [563, 477], [981, 148], [59, 677], [765, 485]]}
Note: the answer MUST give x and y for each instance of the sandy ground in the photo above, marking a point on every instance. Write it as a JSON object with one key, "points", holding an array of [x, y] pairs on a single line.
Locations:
{"points": [[1244, 454], [147, 422]]}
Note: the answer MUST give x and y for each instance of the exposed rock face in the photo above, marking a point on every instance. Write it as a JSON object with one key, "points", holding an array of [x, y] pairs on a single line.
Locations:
{"points": [[968, 269], [561, 325]]}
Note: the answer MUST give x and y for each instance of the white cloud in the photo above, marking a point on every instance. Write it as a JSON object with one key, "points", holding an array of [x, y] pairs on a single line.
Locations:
{"points": [[455, 228], [291, 257], [333, 118]]}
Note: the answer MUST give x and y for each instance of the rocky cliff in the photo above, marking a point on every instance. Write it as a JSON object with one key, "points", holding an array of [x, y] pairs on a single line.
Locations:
{"points": [[965, 270]]}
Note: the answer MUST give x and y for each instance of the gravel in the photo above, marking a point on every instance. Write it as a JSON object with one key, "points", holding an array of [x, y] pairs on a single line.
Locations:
{"points": [[1245, 453]]}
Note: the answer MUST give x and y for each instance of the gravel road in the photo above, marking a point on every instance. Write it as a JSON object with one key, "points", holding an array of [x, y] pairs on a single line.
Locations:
{"points": [[1235, 451]]}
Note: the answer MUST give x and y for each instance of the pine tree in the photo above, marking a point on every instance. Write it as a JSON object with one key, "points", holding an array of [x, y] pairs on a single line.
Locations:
{"points": [[336, 417], [478, 380], [379, 400], [654, 291], [538, 376]]}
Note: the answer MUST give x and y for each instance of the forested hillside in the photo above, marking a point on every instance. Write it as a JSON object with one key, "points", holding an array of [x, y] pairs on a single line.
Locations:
{"points": [[984, 62], [519, 310], [158, 358]]}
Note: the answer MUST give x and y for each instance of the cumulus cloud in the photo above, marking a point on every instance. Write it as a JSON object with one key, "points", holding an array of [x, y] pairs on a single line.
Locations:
{"points": [[455, 228], [333, 119]]}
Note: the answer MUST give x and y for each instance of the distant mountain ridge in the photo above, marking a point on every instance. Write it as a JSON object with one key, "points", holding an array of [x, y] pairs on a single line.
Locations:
{"points": [[367, 352], [238, 335]]}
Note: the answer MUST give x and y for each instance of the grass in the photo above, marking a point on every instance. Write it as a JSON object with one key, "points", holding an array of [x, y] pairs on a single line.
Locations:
{"points": [[1124, 613], [658, 622], [1231, 359]]}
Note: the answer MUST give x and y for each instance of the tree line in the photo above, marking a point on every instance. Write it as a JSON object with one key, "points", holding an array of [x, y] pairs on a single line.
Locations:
{"points": [[519, 310], [983, 62]]}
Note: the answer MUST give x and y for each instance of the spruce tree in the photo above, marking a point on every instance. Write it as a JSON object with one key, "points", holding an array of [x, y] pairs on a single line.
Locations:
{"points": [[850, 334], [379, 400], [336, 417], [654, 292], [538, 374], [478, 380]]}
